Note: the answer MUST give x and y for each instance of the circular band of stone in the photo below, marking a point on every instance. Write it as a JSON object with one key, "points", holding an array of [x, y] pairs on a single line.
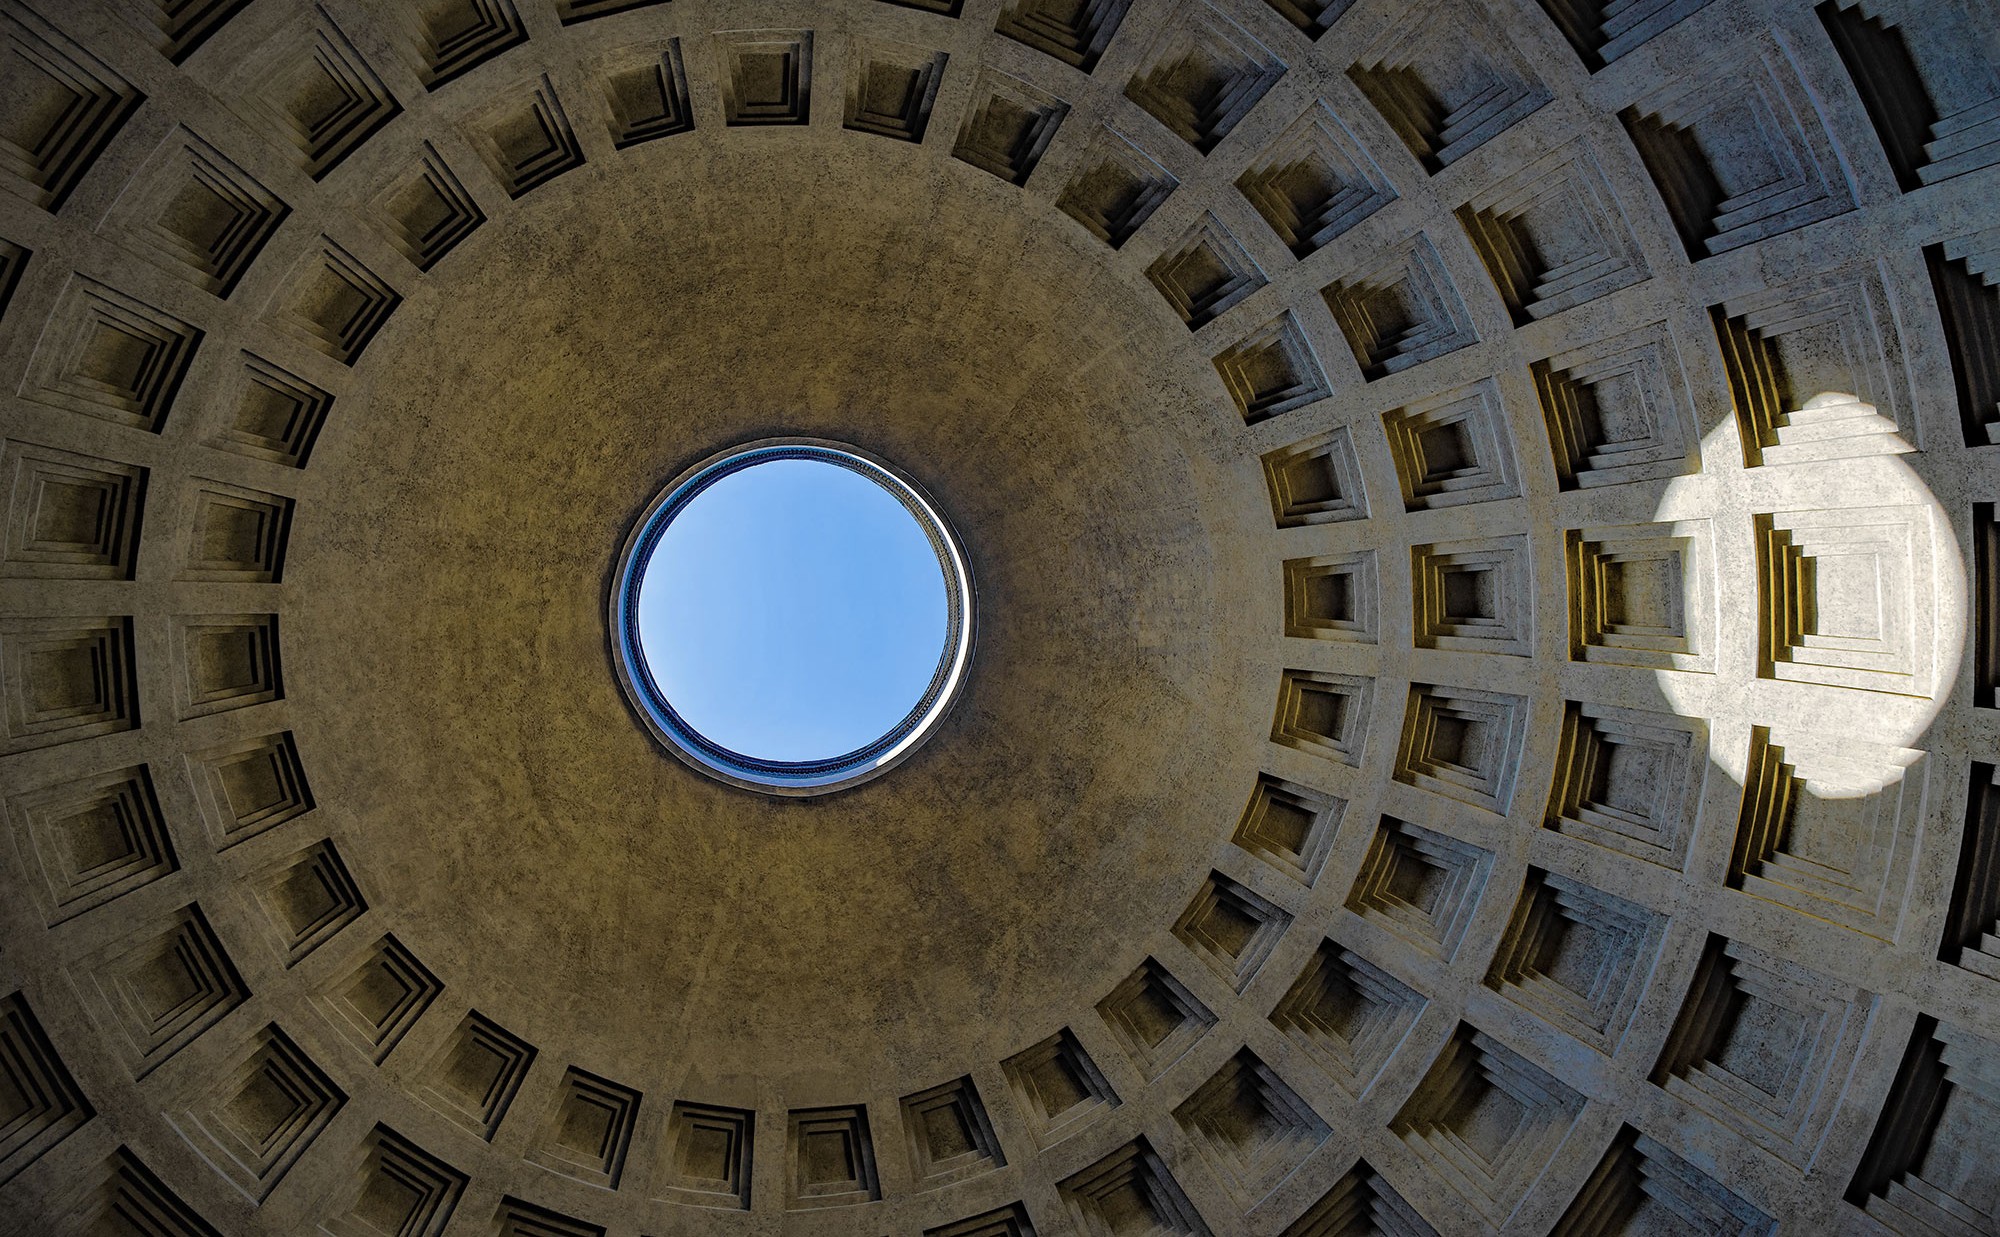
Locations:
{"points": [[778, 777]]}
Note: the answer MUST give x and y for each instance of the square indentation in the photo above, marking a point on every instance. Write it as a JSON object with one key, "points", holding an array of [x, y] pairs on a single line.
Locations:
{"points": [[275, 416], [1553, 236], [69, 516], [1738, 150], [250, 786], [155, 991], [1845, 598], [1829, 826], [1205, 274], [1272, 371], [199, 213], [1231, 928], [1362, 1195], [226, 661], [589, 1132], [1659, 1191], [766, 76], [93, 838], [1401, 312], [308, 899], [334, 303], [1058, 1087], [1315, 182], [709, 1155], [1816, 368], [453, 37], [1628, 780], [111, 356], [1115, 188], [1578, 957], [1641, 595], [1928, 1166], [646, 98], [1333, 597], [308, 88], [1202, 75], [377, 1002], [401, 1189], [64, 107], [892, 89], [1323, 713], [1421, 885], [1447, 82], [474, 1077], [1618, 410], [1009, 126], [260, 1115], [66, 679], [44, 1104], [126, 1187], [1350, 1014], [1073, 31], [1317, 481], [949, 1135], [1463, 743], [1289, 826], [1453, 449], [1131, 1189], [239, 535], [1473, 596], [1251, 1127], [833, 1158], [427, 212], [1155, 1018], [1491, 1117], [1760, 1045]]}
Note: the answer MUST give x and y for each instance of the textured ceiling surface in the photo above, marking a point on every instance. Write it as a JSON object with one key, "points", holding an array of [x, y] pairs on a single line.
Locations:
{"points": [[1483, 714]]}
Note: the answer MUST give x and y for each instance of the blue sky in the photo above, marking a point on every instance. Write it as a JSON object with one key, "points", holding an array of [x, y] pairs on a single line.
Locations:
{"points": [[793, 611]]}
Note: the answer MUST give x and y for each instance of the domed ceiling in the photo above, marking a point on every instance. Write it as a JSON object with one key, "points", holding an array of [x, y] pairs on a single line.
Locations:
{"points": [[1482, 719]]}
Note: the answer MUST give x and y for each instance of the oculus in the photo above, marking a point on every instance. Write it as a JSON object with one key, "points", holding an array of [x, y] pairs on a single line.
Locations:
{"points": [[791, 616]]}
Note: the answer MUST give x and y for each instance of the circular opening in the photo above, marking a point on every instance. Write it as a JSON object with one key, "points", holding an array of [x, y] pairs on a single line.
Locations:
{"points": [[792, 616]]}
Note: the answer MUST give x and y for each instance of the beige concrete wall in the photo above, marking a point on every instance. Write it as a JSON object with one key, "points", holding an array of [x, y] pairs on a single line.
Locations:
{"points": [[1483, 514]]}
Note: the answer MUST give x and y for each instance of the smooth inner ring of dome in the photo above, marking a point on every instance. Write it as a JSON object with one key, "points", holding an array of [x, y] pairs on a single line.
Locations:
{"points": [[720, 755]]}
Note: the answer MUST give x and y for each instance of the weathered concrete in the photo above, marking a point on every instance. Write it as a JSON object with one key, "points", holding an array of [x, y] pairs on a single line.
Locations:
{"points": [[1485, 529]]}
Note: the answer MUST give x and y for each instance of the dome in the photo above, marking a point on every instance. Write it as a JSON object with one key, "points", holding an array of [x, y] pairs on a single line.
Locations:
{"points": [[1482, 714]]}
